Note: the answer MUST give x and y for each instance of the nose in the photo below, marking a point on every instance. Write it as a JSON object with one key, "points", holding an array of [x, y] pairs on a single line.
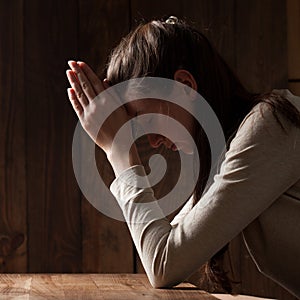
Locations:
{"points": [[155, 140]]}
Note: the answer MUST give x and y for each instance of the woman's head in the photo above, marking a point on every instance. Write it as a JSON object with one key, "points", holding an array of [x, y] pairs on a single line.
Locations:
{"points": [[156, 48], [158, 116], [162, 48], [175, 50]]}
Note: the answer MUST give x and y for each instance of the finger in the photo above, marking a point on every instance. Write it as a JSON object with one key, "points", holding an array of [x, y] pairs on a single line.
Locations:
{"points": [[106, 84], [75, 103], [113, 94], [95, 81], [77, 88], [85, 83]]}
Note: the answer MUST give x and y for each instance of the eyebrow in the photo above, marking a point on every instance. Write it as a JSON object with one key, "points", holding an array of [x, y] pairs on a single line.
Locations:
{"points": [[131, 113]]}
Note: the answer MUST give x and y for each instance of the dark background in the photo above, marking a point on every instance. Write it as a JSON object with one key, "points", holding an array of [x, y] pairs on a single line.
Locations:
{"points": [[46, 225]]}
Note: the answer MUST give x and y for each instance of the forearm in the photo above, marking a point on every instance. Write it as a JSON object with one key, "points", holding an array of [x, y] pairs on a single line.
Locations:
{"points": [[120, 160], [150, 230]]}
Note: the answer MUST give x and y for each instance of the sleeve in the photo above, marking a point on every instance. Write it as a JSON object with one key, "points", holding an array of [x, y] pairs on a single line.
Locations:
{"points": [[261, 164], [183, 212]]}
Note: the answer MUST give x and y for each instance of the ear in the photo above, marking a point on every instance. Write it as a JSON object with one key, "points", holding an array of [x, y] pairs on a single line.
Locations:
{"points": [[186, 77]]}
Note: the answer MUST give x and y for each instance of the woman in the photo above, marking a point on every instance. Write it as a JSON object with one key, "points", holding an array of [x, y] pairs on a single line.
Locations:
{"points": [[257, 190]]}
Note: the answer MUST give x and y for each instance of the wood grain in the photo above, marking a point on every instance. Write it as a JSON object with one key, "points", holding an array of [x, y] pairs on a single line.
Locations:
{"points": [[106, 243], [13, 226], [294, 87], [54, 223], [92, 286], [148, 10], [213, 18], [216, 20], [261, 44], [293, 37]]}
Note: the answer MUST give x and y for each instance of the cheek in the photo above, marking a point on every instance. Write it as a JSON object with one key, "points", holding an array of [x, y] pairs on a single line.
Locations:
{"points": [[131, 109]]}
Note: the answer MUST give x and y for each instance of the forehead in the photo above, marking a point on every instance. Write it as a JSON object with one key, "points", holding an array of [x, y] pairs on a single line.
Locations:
{"points": [[145, 106]]}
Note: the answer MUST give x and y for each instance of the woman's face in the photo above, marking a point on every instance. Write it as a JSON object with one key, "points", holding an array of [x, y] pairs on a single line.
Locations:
{"points": [[158, 124]]}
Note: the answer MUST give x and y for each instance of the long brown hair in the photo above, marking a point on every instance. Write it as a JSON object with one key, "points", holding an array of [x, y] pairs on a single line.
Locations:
{"points": [[159, 48]]}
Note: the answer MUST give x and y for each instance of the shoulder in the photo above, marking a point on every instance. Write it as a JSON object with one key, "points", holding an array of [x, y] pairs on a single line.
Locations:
{"points": [[262, 149], [264, 122], [294, 99], [264, 133]]}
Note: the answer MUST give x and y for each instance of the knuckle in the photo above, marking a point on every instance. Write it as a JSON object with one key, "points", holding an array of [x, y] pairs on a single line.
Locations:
{"points": [[79, 95], [84, 85]]}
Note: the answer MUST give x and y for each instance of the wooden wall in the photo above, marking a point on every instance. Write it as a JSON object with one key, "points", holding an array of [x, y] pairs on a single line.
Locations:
{"points": [[293, 34], [46, 225]]}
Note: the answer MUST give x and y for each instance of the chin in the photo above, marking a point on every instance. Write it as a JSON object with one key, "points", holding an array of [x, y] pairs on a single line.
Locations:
{"points": [[186, 149]]}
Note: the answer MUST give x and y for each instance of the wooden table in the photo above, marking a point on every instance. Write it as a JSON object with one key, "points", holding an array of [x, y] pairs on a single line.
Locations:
{"points": [[92, 286]]}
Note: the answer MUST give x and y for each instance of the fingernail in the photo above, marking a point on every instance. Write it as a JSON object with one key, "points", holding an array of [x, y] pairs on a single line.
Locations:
{"points": [[70, 62], [105, 81]]}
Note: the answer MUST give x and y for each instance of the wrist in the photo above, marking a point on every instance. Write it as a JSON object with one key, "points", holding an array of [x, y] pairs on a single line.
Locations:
{"points": [[120, 161]]}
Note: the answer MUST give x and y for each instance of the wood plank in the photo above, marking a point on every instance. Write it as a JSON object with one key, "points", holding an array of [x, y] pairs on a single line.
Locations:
{"points": [[106, 243], [261, 64], [216, 20], [213, 18], [53, 196], [13, 227], [15, 285], [97, 286], [132, 286], [293, 35], [91, 286], [239, 297], [294, 87], [261, 44], [44, 285], [155, 9]]}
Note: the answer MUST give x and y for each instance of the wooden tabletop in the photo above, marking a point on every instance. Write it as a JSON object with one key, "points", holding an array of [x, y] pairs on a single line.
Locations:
{"points": [[93, 286]]}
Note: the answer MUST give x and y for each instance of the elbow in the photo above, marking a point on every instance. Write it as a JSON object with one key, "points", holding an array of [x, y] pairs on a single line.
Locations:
{"points": [[159, 266], [162, 275], [162, 282]]}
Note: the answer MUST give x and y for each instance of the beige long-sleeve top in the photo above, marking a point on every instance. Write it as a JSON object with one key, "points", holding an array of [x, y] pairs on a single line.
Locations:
{"points": [[256, 192]]}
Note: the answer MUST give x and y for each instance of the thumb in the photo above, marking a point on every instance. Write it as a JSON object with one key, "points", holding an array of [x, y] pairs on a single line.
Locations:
{"points": [[106, 83]]}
